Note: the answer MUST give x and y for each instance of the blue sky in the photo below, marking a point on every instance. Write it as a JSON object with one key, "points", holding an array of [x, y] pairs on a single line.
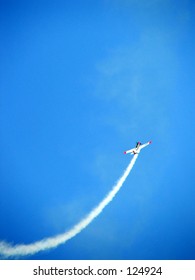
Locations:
{"points": [[79, 83]]}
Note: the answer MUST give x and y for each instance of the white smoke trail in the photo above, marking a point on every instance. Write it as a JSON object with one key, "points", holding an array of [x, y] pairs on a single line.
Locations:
{"points": [[7, 250]]}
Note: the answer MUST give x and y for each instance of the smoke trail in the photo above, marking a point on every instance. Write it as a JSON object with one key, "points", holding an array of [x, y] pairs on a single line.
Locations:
{"points": [[7, 250]]}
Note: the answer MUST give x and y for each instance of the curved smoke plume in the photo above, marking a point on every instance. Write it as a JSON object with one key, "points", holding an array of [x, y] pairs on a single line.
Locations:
{"points": [[8, 250]]}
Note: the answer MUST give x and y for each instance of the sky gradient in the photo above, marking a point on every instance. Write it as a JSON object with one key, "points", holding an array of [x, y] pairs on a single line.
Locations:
{"points": [[80, 83]]}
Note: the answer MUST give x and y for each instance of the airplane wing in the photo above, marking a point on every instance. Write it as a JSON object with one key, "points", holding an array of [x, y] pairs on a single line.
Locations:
{"points": [[144, 145], [129, 151]]}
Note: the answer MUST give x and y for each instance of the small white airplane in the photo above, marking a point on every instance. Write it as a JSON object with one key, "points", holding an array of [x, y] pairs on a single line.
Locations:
{"points": [[137, 148]]}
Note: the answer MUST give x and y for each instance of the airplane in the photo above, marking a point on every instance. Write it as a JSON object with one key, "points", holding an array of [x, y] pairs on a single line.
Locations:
{"points": [[137, 148]]}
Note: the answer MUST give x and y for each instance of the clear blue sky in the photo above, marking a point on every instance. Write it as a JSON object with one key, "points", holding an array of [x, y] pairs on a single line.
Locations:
{"points": [[80, 82]]}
